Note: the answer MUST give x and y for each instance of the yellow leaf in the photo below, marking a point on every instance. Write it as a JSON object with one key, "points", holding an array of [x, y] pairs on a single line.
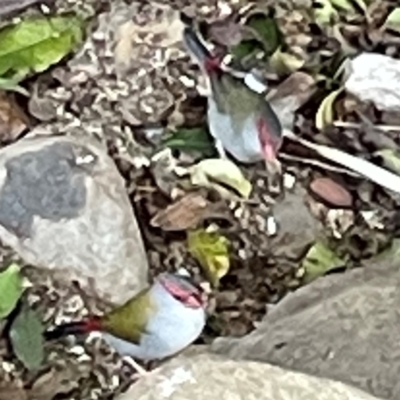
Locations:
{"points": [[393, 20], [343, 4], [325, 113], [210, 249], [221, 171], [390, 158], [361, 4], [324, 12], [285, 63]]}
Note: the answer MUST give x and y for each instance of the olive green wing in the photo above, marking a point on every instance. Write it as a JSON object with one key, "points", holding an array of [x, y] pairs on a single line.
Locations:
{"points": [[129, 321]]}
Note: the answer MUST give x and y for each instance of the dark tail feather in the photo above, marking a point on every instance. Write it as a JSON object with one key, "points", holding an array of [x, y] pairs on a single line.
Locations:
{"points": [[196, 46], [73, 328]]}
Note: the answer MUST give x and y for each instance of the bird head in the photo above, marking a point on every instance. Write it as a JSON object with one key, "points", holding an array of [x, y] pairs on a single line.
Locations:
{"points": [[183, 289]]}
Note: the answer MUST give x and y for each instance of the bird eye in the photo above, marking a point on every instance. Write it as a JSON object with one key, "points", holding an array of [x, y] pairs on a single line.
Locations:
{"points": [[185, 292], [190, 299]]}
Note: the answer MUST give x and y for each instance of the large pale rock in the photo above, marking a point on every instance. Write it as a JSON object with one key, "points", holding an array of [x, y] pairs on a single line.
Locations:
{"points": [[344, 327], [211, 377], [375, 78], [63, 206]]}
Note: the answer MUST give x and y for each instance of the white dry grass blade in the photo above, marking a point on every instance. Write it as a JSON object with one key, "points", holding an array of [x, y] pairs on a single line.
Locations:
{"points": [[376, 174], [318, 163], [355, 125]]}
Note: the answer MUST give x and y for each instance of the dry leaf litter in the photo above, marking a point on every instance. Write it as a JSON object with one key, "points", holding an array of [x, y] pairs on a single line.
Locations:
{"points": [[130, 81]]}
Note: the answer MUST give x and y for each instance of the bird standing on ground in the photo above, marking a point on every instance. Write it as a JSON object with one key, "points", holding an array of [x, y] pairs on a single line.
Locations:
{"points": [[157, 323], [239, 118]]}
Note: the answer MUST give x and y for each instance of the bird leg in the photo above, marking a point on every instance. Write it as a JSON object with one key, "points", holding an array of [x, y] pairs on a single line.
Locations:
{"points": [[138, 368], [220, 149], [274, 173]]}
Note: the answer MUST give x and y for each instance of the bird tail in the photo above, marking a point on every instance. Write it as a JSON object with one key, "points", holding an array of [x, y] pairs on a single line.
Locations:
{"points": [[197, 48], [73, 328]]}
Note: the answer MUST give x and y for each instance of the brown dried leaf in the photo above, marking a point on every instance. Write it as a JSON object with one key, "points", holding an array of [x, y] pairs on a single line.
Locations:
{"points": [[228, 33], [11, 390], [13, 121], [290, 95], [186, 213], [52, 383], [331, 192]]}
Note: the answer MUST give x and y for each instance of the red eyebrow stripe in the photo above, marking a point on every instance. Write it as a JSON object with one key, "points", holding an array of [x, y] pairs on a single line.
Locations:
{"points": [[264, 134]]}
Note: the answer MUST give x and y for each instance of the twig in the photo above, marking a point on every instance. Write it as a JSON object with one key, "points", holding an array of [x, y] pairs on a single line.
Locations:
{"points": [[318, 164], [371, 171], [355, 125]]}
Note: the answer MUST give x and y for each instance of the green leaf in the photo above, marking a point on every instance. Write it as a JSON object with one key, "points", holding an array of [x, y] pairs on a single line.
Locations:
{"points": [[37, 43], [210, 249], [393, 20], [266, 30], [244, 49], [10, 289], [393, 252], [390, 158], [345, 5], [191, 139], [26, 335], [319, 260], [11, 85]]}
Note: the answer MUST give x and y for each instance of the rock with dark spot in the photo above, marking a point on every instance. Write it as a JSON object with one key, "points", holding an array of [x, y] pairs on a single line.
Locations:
{"points": [[63, 206], [47, 183]]}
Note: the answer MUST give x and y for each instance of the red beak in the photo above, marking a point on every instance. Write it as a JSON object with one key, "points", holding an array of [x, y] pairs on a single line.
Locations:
{"points": [[270, 143]]}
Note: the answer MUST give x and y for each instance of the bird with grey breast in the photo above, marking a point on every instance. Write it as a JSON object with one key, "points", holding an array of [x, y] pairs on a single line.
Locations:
{"points": [[159, 322], [239, 118]]}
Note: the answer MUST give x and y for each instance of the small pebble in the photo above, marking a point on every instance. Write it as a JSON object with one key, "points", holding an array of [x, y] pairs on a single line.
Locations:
{"points": [[271, 226], [331, 193], [77, 350], [288, 181]]}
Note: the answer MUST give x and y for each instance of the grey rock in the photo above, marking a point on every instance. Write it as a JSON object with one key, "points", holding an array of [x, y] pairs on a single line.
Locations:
{"points": [[47, 182], [63, 207], [297, 227], [12, 6], [344, 327], [375, 78], [210, 377]]}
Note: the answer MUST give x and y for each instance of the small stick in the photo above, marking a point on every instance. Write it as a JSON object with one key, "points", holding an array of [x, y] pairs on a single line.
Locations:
{"points": [[378, 175], [318, 164], [355, 125], [138, 368]]}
